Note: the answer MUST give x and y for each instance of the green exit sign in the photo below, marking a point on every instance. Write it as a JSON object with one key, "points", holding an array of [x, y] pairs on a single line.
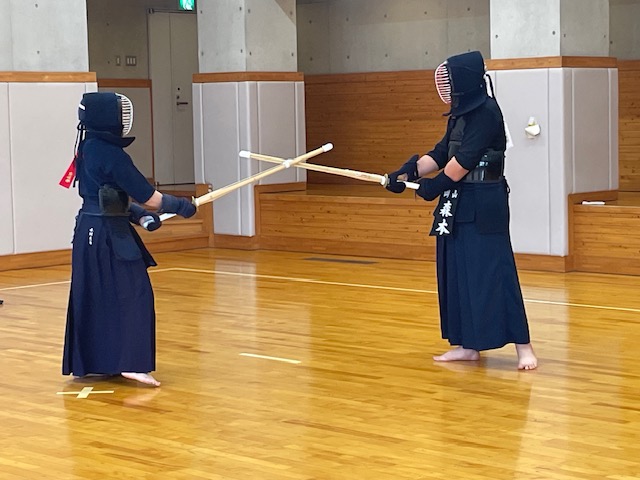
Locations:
{"points": [[187, 4]]}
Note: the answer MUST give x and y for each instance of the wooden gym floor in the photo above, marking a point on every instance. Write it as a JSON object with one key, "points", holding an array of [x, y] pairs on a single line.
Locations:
{"points": [[287, 366]]}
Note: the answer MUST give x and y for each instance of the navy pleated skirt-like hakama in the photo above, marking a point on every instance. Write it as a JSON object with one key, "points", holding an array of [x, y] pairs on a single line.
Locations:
{"points": [[111, 315], [481, 304]]}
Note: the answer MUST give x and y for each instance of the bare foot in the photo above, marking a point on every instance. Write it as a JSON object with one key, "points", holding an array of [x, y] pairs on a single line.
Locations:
{"points": [[526, 358], [458, 354], [145, 378]]}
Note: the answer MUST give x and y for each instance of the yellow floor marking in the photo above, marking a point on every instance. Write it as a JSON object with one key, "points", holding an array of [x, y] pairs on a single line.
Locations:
{"points": [[85, 392]]}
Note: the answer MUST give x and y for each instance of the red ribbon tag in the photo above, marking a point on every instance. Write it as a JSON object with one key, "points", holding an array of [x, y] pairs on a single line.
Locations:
{"points": [[69, 175]]}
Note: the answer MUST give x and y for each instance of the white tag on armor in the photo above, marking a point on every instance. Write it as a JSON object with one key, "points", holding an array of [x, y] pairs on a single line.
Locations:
{"points": [[508, 135]]}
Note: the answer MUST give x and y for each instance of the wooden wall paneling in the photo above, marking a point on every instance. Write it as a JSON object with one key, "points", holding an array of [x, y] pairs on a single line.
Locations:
{"points": [[606, 239], [629, 124], [33, 260], [577, 199], [367, 222], [376, 121]]}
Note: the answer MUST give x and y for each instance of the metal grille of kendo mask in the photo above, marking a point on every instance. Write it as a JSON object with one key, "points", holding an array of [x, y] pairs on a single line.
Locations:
{"points": [[443, 83], [126, 109]]}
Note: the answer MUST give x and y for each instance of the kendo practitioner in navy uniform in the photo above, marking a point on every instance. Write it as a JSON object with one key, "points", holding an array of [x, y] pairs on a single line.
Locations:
{"points": [[481, 305], [111, 315]]}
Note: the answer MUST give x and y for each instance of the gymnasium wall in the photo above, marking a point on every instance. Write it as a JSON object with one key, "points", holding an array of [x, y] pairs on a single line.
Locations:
{"points": [[38, 119], [378, 120], [245, 111], [629, 124], [340, 36], [375, 120]]}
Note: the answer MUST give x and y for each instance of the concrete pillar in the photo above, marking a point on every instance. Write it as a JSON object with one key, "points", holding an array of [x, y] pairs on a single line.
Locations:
{"points": [[522, 28], [43, 35], [247, 96], [247, 35], [43, 74], [549, 63]]}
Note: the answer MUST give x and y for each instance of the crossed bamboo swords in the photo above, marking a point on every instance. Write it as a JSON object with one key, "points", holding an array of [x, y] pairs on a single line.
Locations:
{"points": [[300, 162]]}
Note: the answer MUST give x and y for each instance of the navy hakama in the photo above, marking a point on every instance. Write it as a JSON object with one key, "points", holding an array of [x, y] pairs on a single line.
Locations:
{"points": [[481, 305], [111, 317]]}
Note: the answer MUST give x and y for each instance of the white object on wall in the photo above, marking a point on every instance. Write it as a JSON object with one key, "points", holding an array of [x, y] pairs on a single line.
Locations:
{"points": [[532, 130]]}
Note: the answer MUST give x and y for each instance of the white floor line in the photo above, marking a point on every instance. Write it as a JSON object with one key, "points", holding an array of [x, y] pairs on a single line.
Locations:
{"points": [[397, 289], [341, 284], [584, 305], [266, 357], [35, 285], [308, 280]]}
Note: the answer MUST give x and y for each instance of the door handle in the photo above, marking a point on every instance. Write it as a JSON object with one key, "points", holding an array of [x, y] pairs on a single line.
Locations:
{"points": [[182, 103]]}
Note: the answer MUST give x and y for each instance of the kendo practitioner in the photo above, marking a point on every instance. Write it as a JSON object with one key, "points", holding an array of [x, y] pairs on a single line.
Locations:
{"points": [[111, 315], [480, 299]]}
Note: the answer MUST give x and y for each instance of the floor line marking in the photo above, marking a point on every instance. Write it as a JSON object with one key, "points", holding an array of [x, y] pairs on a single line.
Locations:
{"points": [[35, 285], [308, 280], [267, 357], [20, 287], [397, 289], [584, 305], [342, 284], [85, 392]]}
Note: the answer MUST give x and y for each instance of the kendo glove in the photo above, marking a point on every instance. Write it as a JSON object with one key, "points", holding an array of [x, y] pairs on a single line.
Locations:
{"points": [[432, 188], [148, 220], [179, 205], [410, 169]]}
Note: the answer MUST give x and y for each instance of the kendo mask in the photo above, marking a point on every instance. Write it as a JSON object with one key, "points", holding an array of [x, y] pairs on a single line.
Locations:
{"points": [[460, 82], [106, 112]]}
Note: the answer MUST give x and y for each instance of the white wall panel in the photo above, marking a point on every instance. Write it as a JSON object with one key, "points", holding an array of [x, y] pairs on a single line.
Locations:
{"points": [[575, 152], [198, 137], [614, 172], [262, 117], [249, 127], [221, 142], [301, 130], [522, 94], [249, 132], [6, 190], [43, 119], [561, 156], [277, 127], [591, 129]]}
